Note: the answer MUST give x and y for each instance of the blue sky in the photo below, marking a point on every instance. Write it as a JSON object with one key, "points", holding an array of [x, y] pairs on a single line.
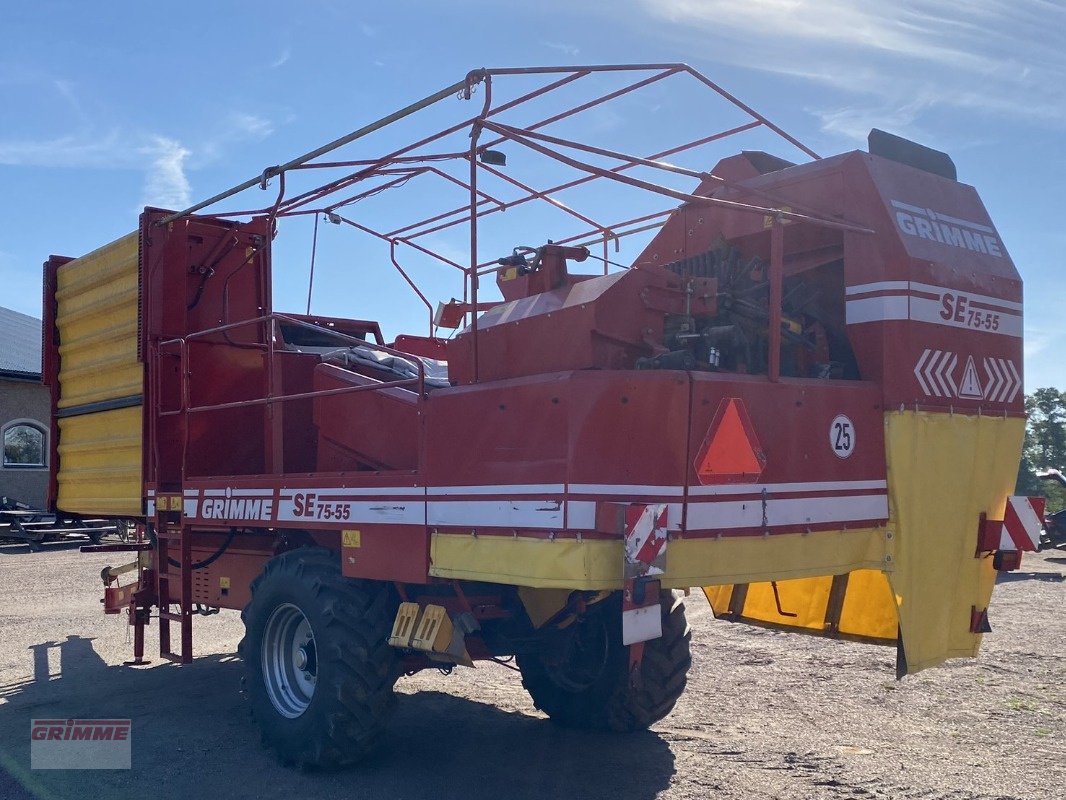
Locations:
{"points": [[101, 113]]}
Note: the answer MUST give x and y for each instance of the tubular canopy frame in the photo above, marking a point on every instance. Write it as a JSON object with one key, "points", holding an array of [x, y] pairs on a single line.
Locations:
{"points": [[407, 164]]}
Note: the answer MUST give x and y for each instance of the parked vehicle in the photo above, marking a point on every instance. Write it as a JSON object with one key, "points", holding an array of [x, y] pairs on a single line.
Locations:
{"points": [[1054, 533], [803, 393]]}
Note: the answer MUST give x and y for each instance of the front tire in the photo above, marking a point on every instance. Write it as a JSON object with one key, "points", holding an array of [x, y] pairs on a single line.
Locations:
{"points": [[587, 685], [319, 673]]}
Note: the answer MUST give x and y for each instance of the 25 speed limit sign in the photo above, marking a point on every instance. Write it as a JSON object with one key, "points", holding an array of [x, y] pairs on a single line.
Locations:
{"points": [[842, 436]]}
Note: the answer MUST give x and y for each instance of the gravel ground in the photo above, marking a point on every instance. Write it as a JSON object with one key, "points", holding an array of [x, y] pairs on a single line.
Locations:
{"points": [[766, 715]]}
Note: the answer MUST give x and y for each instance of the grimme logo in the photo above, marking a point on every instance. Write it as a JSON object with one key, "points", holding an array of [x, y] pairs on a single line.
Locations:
{"points": [[80, 744], [237, 508], [928, 224]]}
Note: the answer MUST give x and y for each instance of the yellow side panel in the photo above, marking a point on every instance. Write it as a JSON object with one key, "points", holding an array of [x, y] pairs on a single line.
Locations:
{"points": [[807, 598], [542, 604], [944, 470], [750, 559], [868, 610], [524, 561], [96, 315], [869, 606], [100, 458], [597, 563]]}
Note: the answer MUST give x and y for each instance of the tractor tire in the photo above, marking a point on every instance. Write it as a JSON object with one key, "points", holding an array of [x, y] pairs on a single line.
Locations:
{"points": [[575, 694], [319, 673]]}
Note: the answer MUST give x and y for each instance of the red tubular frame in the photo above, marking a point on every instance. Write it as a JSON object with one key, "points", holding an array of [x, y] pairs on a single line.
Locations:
{"points": [[186, 408], [411, 162]]}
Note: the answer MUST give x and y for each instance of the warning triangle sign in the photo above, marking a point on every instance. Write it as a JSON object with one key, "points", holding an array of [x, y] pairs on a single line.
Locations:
{"points": [[730, 453], [970, 385]]}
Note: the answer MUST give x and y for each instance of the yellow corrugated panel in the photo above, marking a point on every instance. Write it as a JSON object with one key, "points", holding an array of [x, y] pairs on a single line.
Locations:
{"points": [[100, 463], [868, 610], [96, 316]]}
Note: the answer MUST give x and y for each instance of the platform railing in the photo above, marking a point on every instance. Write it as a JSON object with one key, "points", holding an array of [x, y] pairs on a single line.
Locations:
{"points": [[270, 322]]}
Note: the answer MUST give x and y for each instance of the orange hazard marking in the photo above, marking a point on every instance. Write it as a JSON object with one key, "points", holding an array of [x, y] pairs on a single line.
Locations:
{"points": [[731, 452]]}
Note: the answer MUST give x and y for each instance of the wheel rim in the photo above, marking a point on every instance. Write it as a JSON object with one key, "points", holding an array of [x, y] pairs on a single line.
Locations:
{"points": [[290, 661]]}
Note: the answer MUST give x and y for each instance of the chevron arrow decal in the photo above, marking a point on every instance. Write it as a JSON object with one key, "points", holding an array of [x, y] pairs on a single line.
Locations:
{"points": [[1004, 382], [936, 369], [935, 373]]}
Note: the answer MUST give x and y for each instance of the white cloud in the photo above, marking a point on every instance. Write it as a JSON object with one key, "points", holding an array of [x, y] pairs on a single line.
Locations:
{"points": [[71, 150], [282, 59], [988, 56], [563, 47], [855, 121], [249, 126], [163, 159], [166, 184], [368, 30]]}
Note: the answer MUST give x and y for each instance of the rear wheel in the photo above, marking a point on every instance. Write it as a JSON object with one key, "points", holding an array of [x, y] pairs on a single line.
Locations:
{"points": [[319, 672], [583, 681]]}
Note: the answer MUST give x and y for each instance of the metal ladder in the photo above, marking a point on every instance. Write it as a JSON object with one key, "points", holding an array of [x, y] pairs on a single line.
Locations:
{"points": [[174, 587]]}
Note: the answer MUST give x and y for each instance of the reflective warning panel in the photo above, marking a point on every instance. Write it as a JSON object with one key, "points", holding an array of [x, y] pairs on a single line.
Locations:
{"points": [[731, 451]]}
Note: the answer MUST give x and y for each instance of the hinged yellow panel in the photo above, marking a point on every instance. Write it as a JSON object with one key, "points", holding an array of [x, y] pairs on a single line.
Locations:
{"points": [[97, 313]]}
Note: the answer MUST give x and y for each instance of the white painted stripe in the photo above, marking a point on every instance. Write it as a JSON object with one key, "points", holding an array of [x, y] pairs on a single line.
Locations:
{"points": [[502, 489], [922, 309], [229, 492], [878, 286], [151, 508], [925, 310], [908, 207], [625, 490], [380, 512], [581, 515], [725, 515], [540, 514], [151, 492], [782, 488], [360, 491], [980, 298], [876, 309], [244, 492], [601, 489], [190, 507], [906, 287]]}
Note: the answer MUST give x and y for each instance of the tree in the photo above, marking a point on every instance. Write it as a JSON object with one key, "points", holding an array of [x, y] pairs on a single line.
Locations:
{"points": [[1045, 435], [1045, 446]]}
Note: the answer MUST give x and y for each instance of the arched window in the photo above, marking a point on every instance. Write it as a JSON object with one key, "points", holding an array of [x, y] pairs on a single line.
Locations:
{"points": [[24, 445]]}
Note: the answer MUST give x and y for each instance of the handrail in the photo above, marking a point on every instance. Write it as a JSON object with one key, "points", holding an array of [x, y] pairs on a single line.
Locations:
{"points": [[186, 408], [270, 398]]}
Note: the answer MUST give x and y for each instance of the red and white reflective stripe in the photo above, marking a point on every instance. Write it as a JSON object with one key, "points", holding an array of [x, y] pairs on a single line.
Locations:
{"points": [[645, 533], [1022, 522]]}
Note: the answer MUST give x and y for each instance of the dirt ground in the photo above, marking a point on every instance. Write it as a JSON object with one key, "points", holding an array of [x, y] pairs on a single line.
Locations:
{"points": [[766, 715]]}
